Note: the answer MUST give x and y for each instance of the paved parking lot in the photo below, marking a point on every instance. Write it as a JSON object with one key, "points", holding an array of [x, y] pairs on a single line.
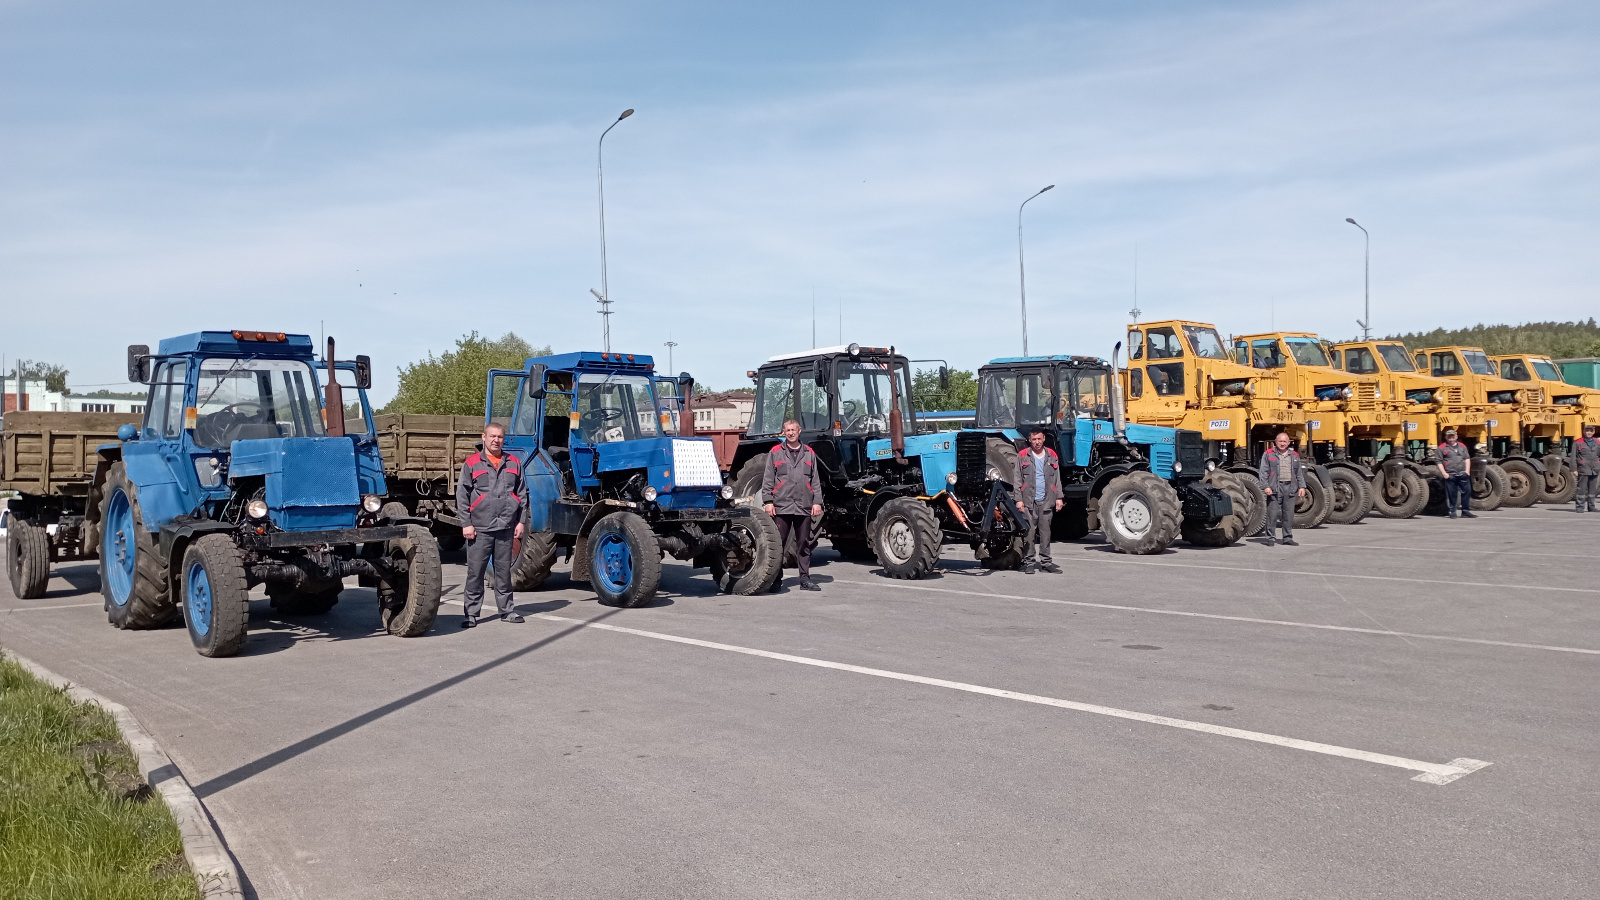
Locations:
{"points": [[1251, 721]]}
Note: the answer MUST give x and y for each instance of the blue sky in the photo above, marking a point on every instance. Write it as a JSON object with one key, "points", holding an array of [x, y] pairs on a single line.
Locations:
{"points": [[409, 172]]}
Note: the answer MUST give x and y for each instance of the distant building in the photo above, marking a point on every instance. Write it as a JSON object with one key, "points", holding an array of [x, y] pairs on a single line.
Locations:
{"points": [[727, 411], [35, 398]]}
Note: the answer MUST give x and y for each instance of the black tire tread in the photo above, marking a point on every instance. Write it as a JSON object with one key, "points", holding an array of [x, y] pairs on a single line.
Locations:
{"points": [[1167, 513], [1230, 528], [925, 556], [646, 560], [1521, 470], [1495, 497], [150, 601], [1360, 503], [764, 569], [230, 594], [27, 559], [423, 584], [532, 566]]}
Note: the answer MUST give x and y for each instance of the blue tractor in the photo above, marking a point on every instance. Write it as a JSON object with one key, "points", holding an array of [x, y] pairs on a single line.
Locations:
{"points": [[616, 477], [242, 474]]}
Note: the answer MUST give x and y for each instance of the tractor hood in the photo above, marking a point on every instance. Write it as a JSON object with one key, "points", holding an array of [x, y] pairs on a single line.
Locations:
{"points": [[683, 471], [311, 483]]}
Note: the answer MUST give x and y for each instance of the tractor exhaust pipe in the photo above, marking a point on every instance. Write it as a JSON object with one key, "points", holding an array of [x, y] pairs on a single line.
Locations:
{"points": [[897, 430], [1119, 415], [333, 405]]}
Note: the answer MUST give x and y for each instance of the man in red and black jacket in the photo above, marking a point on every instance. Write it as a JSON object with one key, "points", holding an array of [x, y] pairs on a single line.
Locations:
{"points": [[791, 489], [1038, 499], [490, 499]]}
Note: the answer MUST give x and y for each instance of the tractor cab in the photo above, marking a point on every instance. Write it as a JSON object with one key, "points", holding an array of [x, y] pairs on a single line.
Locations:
{"points": [[1307, 371], [1398, 377], [1520, 416], [1578, 406], [1069, 398]]}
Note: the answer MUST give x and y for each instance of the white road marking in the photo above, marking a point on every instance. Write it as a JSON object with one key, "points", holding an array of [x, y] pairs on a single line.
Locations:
{"points": [[59, 606], [1198, 615], [1442, 550], [1429, 773], [1166, 565]]}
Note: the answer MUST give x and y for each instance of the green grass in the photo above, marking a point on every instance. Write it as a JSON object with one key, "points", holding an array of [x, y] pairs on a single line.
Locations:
{"points": [[75, 820]]}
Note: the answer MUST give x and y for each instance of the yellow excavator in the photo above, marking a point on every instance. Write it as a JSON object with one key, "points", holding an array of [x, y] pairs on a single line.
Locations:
{"points": [[1577, 405]]}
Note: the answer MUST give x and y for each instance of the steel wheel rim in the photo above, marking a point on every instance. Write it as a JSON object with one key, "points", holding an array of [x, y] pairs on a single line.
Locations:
{"points": [[1131, 514], [197, 599], [899, 539], [739, 560], [119, 551], [613, 563]]}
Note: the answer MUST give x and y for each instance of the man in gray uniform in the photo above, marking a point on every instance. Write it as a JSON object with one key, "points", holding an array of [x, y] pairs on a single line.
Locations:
{"points": [[1283, 478], [791, 489], [1038, 499], [1455, 464], [1586, 462], [490, 499]]}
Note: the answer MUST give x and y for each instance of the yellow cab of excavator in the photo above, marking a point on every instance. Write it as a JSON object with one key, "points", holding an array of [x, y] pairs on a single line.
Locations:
{"points": [[1518, 422], [1577, 405]]}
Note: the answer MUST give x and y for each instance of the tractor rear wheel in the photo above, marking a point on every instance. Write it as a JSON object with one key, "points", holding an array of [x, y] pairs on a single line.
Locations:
{"points": [[1230, 528], [1409, 494], [1492, 493], [1312, 509], [624, 560], [134, 577], [1001, 455], [1523, 484], [753, 567], [532, 566], [27, 559], [906, 537], [1139, 513], [407, 606], [1560, 483], [1351, 496], [216, 597]]}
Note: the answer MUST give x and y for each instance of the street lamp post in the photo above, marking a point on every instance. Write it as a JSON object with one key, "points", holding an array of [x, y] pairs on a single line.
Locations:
{"points": [[669, 345], [1366, 284], [604, 296], [1022, 271]]}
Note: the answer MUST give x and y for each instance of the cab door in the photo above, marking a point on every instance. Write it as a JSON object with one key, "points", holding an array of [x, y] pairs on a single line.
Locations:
{"points": [[508, 403]]}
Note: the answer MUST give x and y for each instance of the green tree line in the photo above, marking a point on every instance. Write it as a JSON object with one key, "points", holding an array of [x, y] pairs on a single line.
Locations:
{"points": [[455, 382], [1558, 340]]}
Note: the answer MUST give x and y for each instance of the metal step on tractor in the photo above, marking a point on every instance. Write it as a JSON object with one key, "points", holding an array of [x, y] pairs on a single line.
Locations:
{"points": [[242, 473], [610, 482]]}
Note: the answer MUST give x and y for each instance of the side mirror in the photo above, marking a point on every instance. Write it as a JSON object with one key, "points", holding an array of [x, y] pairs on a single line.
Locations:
{"points": [[944, 378], [139, 363], [819, 373], [685, 384], [535, 381], [364, 373]]}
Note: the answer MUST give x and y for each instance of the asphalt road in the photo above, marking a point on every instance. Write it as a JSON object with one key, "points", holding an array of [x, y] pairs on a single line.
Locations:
{"points": [[989, 734]]}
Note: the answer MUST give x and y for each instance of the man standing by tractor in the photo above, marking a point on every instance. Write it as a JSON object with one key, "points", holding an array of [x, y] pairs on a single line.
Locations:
{"points": [[490, 498], [1039, 499], [1586, 462], [1283, 479], [791, 489], [1455, 464]]}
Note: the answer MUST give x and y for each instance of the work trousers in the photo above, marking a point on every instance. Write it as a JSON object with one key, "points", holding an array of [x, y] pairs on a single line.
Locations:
{"points": [[1458, 493], [1037, 549], [800, 524], [487, 545], [1280, 510], [1587, 486]]}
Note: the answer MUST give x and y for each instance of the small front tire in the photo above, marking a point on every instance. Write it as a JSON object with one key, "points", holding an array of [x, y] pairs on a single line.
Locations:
{"points": [[906, 538], [1139, 513], [624, 560], [753, 567], [216, 598]]}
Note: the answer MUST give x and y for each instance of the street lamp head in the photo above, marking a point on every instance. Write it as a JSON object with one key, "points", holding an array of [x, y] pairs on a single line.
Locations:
{"points": [[1352, 222], [1047, 187], [625, 113]]}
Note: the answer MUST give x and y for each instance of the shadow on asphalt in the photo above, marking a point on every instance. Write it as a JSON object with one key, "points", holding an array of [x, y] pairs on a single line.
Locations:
{"points": [[84, 578]]}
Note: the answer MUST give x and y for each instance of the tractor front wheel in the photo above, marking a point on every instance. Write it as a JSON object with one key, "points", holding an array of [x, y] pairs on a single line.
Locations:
{"points": [[752, 567], [1139, 513], [27, 559], [1490, 493], [408, 604], [1312, 509], [216, 597], [906, 537], [1351, 498], [624, 560], [1523, 484]]}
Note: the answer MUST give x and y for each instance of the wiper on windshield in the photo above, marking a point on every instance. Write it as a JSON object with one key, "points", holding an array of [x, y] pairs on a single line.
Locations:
{"points": [[224, 377]]}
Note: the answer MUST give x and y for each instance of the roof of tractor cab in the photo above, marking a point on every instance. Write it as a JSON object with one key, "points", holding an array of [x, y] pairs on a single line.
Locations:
{"points": [[841, 350], [590, 360], [239, 343], [1057, 358]]}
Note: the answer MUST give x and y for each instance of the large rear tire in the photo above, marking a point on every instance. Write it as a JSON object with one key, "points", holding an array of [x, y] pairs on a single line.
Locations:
{"points": [[1258, 497], [1523, 484], [1139, 513], [407, 607], [1230, 528], [27, 559], [135, 578], [1351, 497], [532, 566], [216, 598], [1312, 509], [906, 537], [1560, 483], [753, 567], [1001, 454], [624, 560], [1492, 493], [1405, 499]]}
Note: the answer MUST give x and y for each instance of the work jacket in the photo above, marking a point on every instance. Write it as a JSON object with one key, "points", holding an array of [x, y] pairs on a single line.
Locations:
{"points": [[792, 482], [1268, 470], [1455, 458], [491, 499], [1586, 456], [1026, 475]]}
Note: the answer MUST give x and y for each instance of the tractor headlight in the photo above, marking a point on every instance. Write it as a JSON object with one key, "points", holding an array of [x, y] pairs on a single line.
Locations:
{"points": [[854, 349], [649, 493], [950, 479], [1347, 393], [1211, 465], [256, 509], [1177, 466], [372, 503], [992, 474], [727, 492]]}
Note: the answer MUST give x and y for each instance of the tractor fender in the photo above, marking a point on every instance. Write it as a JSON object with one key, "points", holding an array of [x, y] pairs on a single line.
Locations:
{"points": [[89, 535], [173, 539], [876, 503], [580, 552], [1104, 476], [1321, 472], [1538, 464]]}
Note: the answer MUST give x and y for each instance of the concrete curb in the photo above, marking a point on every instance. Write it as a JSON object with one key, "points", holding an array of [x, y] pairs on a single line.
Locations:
{"points": [[208, 856]]}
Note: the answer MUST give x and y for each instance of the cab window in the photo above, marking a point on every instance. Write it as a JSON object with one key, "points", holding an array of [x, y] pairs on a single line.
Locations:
{"points": [[1395, 356], [1167, 379], [1136, 344], [774, 401], [1088, 390], [1011, 398], [1205, 342], [1445, 365], [1514, 370], [1478, 362], [1547, 370], [1164, 344], [1360, 361], [1266, 354], [1135, 383]]}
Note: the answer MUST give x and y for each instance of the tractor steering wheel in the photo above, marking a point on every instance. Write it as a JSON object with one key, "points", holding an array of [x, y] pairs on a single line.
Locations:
{"points": [[597, 420], [213, 429]]}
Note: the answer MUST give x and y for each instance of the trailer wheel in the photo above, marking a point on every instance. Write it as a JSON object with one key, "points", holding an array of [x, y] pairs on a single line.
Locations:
{"points": [[624, 560], [135, 579], [406, 608], [27, 559], [532, 566], [753, 567], [1523, 484], [1560, 483], [906, 538], [1312, 509], [1258, 497], [216, 598], [1230, 528], [1351, 498], [1493, 493], [1139, 513]]}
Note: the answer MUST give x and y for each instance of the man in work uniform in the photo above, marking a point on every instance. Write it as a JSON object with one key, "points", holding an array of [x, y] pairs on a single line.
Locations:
{"points": [[1455, 464], [1038, 499], [791, 488], [1586, 462], [490, 499], [1283, 478]]}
